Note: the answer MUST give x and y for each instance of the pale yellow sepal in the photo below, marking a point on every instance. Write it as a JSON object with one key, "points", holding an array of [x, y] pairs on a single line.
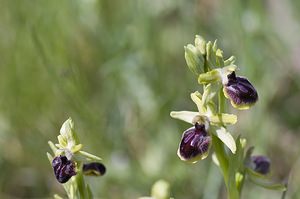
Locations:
{"points": [[226, 138], [223, 119], [187, 116]]}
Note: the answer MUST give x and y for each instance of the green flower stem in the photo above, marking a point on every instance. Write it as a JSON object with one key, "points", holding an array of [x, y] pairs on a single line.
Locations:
{"points": [[221, 101], [229, 178], [83, 189], [76, 188], [221, 156]]}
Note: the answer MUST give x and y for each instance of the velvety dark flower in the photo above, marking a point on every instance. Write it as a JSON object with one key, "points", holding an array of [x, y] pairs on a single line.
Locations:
{"points": [[240, 91], [260, 164], [195, 144], [94, 169], [63, 168]]}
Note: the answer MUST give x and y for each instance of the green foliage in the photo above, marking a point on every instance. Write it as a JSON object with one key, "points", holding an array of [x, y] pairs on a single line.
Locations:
{"points": [[114, 66]]}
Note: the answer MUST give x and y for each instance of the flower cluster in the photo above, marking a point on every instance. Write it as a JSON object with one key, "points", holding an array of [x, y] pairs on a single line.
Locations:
{"points": [[70, 161], [215, 74], [196, 141], [209, 123]]}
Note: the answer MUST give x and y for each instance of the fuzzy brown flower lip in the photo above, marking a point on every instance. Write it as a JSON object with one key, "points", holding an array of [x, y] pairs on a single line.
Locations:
{"points": [[94, 169], [240, 91], [195, 143], [261, 164], [63, 168]]}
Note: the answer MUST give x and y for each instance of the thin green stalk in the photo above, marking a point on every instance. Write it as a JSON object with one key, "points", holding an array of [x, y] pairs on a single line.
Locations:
{"points": [[219, 148], [229, 178], [221, 156], [221, 101]]}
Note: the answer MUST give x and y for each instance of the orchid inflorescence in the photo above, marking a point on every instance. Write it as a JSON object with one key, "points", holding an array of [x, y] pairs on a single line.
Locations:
{"points": [[209, 123], [70, 163]]}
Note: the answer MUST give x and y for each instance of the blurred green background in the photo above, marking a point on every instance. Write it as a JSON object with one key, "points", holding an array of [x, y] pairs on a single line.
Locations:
{"points": [[117, 68]]}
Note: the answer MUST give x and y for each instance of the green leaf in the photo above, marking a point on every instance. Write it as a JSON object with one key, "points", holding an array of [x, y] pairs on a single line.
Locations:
{"points": [[255, 174], [226, 138], [267, 184], [187, 116], [235, 179]]}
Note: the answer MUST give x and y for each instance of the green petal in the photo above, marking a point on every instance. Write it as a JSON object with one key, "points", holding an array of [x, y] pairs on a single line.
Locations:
{"points": [[68, 133], [208, 50], [200, 44], [197, 99], [194, 59], [187, 116], [50, 157], [89, 156], [229, 61], [62, 141], [76, 148], [210, 77], [223, 119], [52, 146], [226, 138]]}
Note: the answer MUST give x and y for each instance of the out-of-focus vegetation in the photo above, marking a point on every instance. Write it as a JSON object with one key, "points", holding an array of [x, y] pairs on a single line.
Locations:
{"points": [[117, 68]]}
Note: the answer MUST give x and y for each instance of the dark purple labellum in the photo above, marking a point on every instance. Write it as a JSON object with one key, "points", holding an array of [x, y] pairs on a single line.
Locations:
{"points": [[240, 92], [261, 164], [195, 143], [94, 169], [63, 168]]}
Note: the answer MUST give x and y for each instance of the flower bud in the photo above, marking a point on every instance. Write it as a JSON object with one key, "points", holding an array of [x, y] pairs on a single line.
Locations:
{"points": [[194, 59], [240, 92], [63, 168], [200, 44], [195, 144], [161, 190], [260, 164], [94, 169]]}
